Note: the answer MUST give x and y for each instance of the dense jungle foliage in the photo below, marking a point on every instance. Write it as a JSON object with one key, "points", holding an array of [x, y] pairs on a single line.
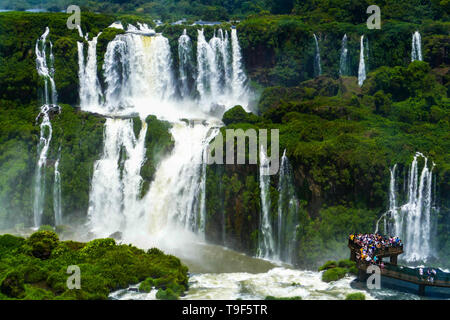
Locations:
{"points": [[36, 268], [341, 139]]}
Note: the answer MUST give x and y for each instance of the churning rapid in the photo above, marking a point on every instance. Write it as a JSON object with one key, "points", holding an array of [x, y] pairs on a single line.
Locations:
{"points": [[140, 80]]}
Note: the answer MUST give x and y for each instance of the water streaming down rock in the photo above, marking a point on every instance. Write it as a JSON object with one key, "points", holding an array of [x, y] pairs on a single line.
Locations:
{"points": [[266, 239], [288, 207], [57, 193], [116, 180], [344, 69], [139, 79], [413, 221], [239, 79], [362, 64], [90, 89], [317, 63], [186, 67], [46, 72], [416, 50]]}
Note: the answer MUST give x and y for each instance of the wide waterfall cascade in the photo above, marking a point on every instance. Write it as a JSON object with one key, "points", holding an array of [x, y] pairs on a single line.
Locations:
{"points": [[46, 72], [344, 69], [416, 47], [140, 80], [90, 90], [57, 193], [413, 221], [288, 207], [266, 237], [362, 64], [317, 63]]}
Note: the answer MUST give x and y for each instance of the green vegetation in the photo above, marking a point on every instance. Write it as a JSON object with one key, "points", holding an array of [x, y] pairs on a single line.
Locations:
{"points": [[337, 270], [355, 296], [35, 268]]}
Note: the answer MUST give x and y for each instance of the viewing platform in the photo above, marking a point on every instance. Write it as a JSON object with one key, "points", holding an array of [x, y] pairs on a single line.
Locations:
{"points": [[402, 278]]}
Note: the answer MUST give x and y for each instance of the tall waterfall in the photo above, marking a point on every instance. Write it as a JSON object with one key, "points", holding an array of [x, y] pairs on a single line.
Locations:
{"points": [[288, 207], [362, 64], [239, 87], [413, 220], [266, 240], [317, 64], [185, 63], [140, 80], [46, 72], [416, 50], [344, 60], [90, 90], [57, 193]]}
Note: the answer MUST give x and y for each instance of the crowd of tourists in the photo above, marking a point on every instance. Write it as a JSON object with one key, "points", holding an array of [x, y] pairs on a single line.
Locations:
{"points": [[370, 244], [429, 275]]}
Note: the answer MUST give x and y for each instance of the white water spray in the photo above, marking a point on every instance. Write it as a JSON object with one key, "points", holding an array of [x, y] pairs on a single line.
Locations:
{"points": [[57, 193], [343, 64], [362, 64], [413, 220], [266, 240], [416, 50], [46, 72], [317, 63]]}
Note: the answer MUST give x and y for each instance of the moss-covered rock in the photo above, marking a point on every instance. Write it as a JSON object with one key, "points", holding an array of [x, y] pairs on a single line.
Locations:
{"points": [[37, 268], [334, 274], [355, 296], [42, 243]]}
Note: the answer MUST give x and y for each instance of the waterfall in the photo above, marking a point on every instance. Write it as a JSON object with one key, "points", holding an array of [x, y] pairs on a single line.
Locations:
{"points": [[416, 52], [239, 88], [57, 193], [287, 212], [413, 220], [317, 64], [343, 65], [116, 181], [90, 91], [266, 241], [185, 63], [140, 80], [207, 71], [46, 72], [362, 64]]}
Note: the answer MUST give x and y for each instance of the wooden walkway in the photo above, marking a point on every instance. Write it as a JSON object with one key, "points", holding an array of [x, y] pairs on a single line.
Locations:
{"points": [[406, 277]]}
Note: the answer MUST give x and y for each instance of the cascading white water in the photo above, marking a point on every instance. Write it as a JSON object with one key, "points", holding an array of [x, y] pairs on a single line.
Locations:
{"points": [[362, 64], [317, 64], [139, 80], [116, 181], [57, 193], [343, 64], [287, 213], [266, 240], [239, 79], [90, 90], [413, 220], [185, 63], [416, 50], [46, 72]]}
